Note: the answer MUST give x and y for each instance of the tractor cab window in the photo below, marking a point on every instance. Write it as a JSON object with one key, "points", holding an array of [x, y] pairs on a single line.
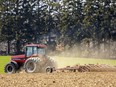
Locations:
{"points": [[30, 51], [34, 50], [41, 51]]}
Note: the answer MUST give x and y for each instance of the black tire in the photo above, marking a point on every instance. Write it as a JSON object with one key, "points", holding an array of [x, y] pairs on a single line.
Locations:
{"points": [[49, 69], [49, 66], [10, 68], [32, 65]]}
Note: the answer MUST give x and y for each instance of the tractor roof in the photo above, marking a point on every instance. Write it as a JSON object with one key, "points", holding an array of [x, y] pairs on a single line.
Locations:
{"points": [[37, 45]]}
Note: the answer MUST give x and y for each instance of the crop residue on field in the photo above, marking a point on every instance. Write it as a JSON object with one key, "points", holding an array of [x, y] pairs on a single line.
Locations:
{"points": [[86, 79]]}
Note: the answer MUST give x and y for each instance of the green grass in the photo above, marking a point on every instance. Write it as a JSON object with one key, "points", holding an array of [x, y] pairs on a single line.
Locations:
{"points": [[65, 61], [3, 61]]}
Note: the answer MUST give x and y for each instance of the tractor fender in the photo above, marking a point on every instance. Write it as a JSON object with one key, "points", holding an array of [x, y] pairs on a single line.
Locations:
{"points": [[15, 63]]}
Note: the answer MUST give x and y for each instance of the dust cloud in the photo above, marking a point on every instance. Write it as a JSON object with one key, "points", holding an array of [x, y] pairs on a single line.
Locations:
{"points": [[89, 50], [66, 57]]}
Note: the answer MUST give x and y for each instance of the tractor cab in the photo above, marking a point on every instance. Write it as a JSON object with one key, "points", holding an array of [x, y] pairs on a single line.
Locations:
{"points": [[34, 50]]}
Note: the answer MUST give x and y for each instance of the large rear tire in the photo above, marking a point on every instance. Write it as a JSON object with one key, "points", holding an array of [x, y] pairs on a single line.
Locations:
{"points": [[10, 68], [32, 65]]}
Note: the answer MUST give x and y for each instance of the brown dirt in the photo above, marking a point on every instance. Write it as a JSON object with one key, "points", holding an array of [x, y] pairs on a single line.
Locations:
{"points": [[69, 79]]}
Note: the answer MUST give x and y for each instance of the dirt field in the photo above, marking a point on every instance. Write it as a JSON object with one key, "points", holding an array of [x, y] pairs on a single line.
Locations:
{"points": [[85, 79]]}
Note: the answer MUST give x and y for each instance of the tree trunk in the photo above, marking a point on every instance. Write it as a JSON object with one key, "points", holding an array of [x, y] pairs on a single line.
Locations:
{"points": [[8, 47], [18, 47]]}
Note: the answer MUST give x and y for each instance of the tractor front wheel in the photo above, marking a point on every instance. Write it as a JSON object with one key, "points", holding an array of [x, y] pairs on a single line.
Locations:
{"points": [[10, 68]]}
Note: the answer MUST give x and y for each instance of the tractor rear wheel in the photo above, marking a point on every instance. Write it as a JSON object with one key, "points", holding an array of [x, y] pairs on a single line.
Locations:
{"points": [[10, 68], [32, 65]]}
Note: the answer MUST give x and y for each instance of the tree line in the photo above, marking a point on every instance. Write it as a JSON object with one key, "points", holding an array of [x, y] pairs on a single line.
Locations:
{"points": [[75, 20]]}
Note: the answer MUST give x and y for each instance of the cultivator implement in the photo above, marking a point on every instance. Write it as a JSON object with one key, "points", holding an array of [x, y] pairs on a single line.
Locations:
{"points": [[88, 68]]}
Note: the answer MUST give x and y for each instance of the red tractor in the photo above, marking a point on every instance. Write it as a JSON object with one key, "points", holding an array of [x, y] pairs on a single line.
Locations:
{"points": [[34, 60]]}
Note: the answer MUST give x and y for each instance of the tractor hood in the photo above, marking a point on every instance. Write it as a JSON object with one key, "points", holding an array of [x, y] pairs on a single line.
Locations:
{"points": [[18, 56]]}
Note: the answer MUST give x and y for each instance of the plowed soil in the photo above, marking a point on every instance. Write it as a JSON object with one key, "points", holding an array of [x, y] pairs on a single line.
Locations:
{"points": [[63, 79]]}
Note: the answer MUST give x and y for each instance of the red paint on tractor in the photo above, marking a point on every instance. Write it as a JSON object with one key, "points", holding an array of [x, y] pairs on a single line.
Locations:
{"points": [[19, 58]]}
